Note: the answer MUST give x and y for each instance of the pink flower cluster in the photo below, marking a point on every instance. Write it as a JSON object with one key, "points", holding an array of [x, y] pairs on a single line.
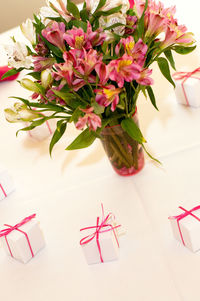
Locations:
{"points": [[159, 19], [81, 61]]}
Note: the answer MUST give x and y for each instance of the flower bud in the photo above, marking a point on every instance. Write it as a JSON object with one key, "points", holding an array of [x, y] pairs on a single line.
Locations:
{"points": [[28, 31], [29, 85], [46, 78]]}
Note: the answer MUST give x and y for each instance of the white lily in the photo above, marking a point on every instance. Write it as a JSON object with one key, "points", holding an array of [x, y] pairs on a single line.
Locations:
{"points": [[28, 31], [18, 56]]}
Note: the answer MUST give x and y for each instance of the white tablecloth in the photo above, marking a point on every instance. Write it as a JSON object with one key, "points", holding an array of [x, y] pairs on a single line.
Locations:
{"points": [[67, 190]]}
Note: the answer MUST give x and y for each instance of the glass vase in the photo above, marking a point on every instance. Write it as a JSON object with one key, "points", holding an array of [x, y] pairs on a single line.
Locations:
{"points": [[125, 154]]}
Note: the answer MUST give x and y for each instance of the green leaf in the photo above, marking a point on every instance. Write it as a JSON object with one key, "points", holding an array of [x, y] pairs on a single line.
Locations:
{"points": [[56, 51], [152, 97], [150, 155], [40, 88], [79, 23], [10, 73], [117, 25], [73, 9], [85, 139], [131, 12], [104, 47], [60, 130], [97, 108], [164, 68], [35, 75], [100, 5], [132, 129], [33, 125], [49, 106], [108, 12], [64, 95], [75, 115], [141, 21], [169, 56], [183, 50], [84, 15]]}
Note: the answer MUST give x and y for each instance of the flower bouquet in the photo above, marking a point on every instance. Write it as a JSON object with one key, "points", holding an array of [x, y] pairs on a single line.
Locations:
{"points": [[89, 66]]}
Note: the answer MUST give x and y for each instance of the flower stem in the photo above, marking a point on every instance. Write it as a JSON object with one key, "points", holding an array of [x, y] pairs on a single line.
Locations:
{"points": [[123, 152]]}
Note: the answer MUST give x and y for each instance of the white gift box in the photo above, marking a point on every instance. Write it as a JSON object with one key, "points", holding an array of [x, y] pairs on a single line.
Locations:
{"points": [[16, 243], [186, 228], [188, 90], [100, 243], [41, 132], [6, 184]]}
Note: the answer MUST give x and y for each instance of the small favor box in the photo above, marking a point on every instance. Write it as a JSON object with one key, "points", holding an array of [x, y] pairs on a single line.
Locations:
{"points": [[24, 240], [6, 184], [100, 243], [188, 88], [186, 228]]}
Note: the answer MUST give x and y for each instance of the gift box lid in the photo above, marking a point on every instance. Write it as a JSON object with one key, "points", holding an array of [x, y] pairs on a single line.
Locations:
{"points": [[15, 235], [189, 221]]}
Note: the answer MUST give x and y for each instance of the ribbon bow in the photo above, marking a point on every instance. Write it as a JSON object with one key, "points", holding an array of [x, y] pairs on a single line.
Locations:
{"points": [[184, 76], [183, 215], [101, 227], [8, 230]]}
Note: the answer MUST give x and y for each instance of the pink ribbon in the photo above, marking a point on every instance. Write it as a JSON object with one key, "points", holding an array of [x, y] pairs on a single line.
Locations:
{"points": [[100, 228], [3, 190], [7, 231], [49, 128], [184, 76], [183, 215]]}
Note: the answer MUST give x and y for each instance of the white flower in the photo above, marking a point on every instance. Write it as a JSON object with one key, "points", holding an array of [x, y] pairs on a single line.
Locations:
{"points": [[113, 19], [28, 31], [48, 12], [18, 56], [110, 4], [20, 112], [54, 9], [46, 78]]}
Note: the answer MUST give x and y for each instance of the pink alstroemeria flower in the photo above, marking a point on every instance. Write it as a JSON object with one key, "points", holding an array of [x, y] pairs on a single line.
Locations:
{"points": [[41, 48], [54, 34], [155, 25], [137, 51], [87, 64], [145, 78], [102, 72], [90, 118], [42, 63], [177, 34], [132, 2], [124, 69], [108, 95], [94, 38], [65, 70], [51, 95], [74, 55], [140, 4], [158, 9], [130, 21], [75, 38]]}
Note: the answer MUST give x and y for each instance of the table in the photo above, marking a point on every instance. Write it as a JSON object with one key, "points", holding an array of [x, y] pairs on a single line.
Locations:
{"points": [[66, 190]]}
